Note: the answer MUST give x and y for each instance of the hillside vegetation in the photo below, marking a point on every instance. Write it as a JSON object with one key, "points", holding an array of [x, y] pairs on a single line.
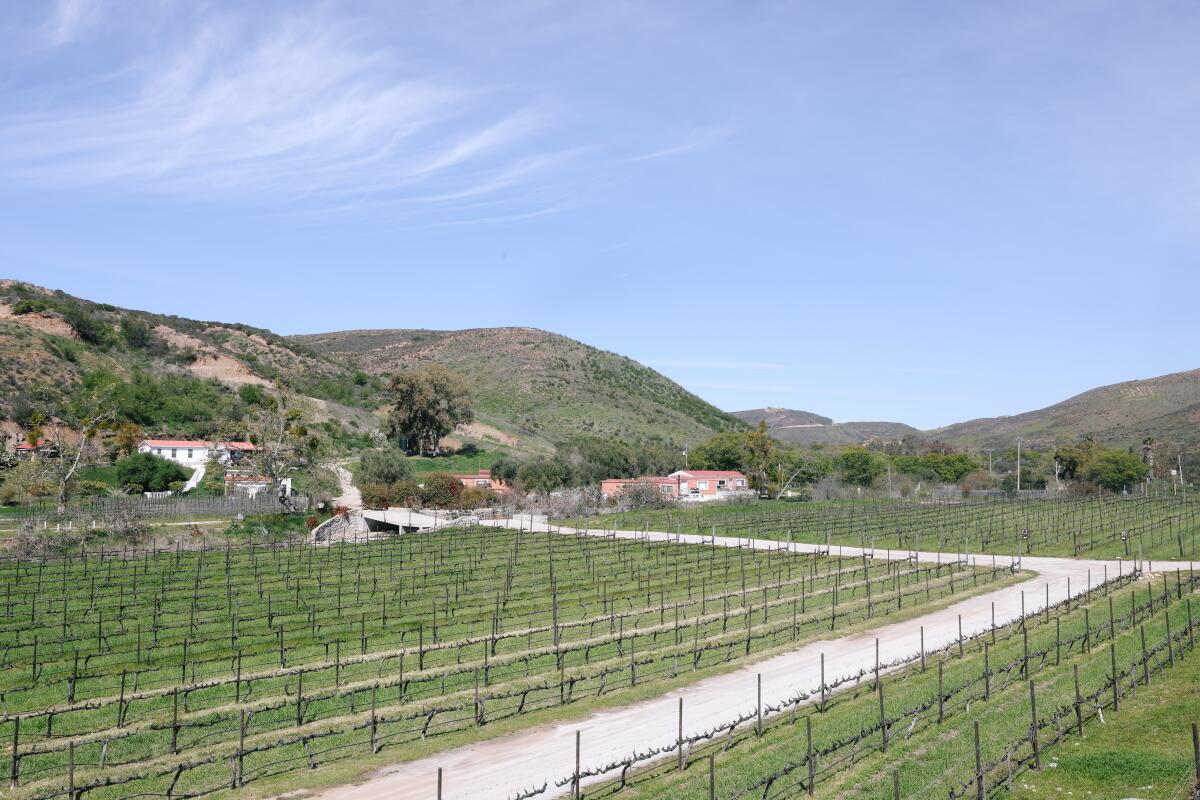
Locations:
{"points": [[539, 385], [532, 390], [1166, 408]]}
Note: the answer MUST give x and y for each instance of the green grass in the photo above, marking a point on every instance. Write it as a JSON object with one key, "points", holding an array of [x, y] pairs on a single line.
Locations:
{"points": [[1142, 752], [456, 463], [1165, 527], [404, 622]]}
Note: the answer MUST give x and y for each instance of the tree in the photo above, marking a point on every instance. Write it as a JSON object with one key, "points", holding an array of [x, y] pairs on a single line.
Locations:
{"points": [[91, 414], [383, 466], [798, 468], [127, 437], [760, 455], [153, 473], [858, 466], [1116, 470], [723, 451], [440, 490], [283, 443], [427, 404]]}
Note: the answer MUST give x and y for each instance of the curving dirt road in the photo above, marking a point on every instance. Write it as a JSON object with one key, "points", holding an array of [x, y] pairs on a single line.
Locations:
{"points": [[501, 767]]}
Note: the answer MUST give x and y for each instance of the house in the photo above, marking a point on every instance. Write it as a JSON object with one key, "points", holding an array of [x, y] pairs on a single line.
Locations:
{"points": [[247, 482], [614, 486], [26, 451], [481, 480], [686, 484], [710, 484], [194, 453]]}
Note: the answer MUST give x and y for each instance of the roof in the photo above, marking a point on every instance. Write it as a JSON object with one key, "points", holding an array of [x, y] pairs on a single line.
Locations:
{"points": [[196, 443], [708, 473], [27, 446], [656, 479]]}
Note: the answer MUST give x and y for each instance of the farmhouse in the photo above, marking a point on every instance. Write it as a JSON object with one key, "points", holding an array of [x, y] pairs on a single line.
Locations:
{"points": [[26, 451], [195, 453], [685, 484], [482, 480]]}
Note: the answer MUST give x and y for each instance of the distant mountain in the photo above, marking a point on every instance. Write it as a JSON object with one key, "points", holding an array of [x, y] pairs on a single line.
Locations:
{"points": [[804, 427], [537, 385], [1166, 408]]}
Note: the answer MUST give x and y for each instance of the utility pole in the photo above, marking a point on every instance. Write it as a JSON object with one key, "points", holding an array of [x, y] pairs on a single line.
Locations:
{"points": [[1018, 466], [685, 463], [1179, 461], [991, 472]]}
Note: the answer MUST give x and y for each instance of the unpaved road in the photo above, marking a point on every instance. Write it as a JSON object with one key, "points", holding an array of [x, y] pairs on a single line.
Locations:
{"points": [[502, 767], [350, 497]]}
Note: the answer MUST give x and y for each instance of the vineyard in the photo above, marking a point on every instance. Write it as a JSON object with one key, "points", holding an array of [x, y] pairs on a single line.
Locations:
{"points": [[185, 672], [1164, 527], [963, 722]]}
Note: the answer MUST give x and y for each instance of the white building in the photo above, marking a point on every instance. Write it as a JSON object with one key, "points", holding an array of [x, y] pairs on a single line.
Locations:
{"points": [[194, 453]]}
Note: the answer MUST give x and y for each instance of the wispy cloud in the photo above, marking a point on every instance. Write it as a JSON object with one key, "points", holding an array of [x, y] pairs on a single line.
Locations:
{"points": [[67, 20], [699, 139], [301, 109]]}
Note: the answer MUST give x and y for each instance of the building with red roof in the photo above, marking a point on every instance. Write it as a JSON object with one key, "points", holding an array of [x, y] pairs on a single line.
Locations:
{"points": [[697, 484], [194, 452]]}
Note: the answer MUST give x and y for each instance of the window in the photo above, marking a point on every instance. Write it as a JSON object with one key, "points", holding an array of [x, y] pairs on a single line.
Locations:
{"points": [[189, 453], [702, 486], [172, 452], [666, 488], [158, 451], [741, 482], [683, 486], [481, 482], [721, 483]]}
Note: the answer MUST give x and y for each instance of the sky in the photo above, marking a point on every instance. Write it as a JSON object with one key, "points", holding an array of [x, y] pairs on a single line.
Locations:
{"points": [[914, 211]]}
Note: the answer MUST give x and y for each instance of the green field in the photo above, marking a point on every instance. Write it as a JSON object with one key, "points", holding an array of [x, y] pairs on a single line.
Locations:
{"points": [[928, 714], [192, 670], [1165, 527]]}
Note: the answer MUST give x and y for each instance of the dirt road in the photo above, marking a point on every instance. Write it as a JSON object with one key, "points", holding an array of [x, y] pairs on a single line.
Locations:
{"points": [[502, 767]]}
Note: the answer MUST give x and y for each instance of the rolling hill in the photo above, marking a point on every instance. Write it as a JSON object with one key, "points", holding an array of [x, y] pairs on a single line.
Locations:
{"points": [[533, 389], [538, 385], [807, 428], [1166, 408]]}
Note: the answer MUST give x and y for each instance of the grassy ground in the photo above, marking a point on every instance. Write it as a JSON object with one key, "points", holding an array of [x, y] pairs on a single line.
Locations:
{"points": [[145, 626], [1165, 527], [1145, 751]]}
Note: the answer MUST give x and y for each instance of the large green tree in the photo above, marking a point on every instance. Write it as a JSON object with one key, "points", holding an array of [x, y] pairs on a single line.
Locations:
{"points": [[859, 466], [427, 404], [1116, 470]]}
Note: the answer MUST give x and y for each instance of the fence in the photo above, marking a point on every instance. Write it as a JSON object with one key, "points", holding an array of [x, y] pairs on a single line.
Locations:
{"points": [[179, 508]]}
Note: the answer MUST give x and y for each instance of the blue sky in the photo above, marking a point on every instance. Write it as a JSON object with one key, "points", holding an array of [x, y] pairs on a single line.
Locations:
{"points": [[922, 212]]}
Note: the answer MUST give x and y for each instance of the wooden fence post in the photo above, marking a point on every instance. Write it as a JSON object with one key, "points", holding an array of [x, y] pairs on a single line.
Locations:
{"points": [[812, 767], [896, 783], [1196, 749], [712, 776], [1078, 701], [978, 765], [1112, 651], [1033, 727], [439, 789], [14, 775], [882, 718], [575, 783], [679, 738], [759, 722]]}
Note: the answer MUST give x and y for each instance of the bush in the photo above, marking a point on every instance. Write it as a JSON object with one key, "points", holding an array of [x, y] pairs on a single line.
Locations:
{"points": [[388, 465], [477, 497], [86, 488], [441, 490], [384, 495], [152, 473]]}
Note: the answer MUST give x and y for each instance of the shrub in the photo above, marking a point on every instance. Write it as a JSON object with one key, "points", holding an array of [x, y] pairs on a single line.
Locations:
{"points": [[152, 473], [388, 465], [477, 497], [88, 488], [441, 490]]}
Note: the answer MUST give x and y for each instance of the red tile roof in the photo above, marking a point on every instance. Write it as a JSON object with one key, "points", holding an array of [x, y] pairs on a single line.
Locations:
{"points": [[27, 446], [710, 473], [195, 443]]}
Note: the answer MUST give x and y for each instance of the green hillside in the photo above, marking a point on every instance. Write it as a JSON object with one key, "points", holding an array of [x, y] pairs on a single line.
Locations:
{"points": [[1123, 414], [532, 389], [539, 385]]}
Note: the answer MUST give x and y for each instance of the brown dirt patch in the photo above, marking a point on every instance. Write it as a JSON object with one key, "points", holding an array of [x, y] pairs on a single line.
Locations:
{"points": [[41, 320]]}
